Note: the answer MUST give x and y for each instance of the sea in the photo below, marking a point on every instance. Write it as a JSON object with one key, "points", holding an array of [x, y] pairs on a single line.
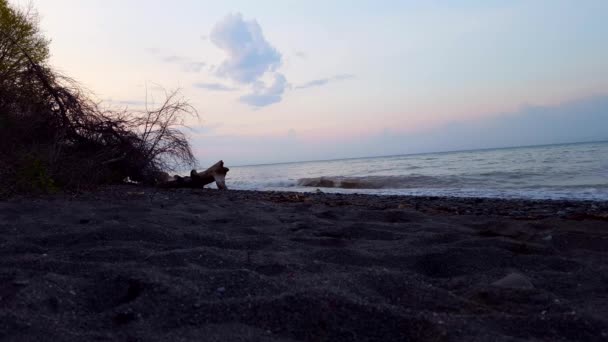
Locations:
{"points": [[566, 171]]}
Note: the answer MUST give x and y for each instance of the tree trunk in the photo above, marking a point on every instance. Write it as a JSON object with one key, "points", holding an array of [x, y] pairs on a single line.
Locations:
{"points": [[216, 173]]}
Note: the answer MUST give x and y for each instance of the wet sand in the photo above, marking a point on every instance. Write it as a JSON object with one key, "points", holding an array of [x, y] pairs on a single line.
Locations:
{"points": [[142, 264]]}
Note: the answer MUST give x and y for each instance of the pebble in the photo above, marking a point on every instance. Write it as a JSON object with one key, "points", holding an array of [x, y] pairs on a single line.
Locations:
{"points": [[548, 238], [514, 281], [221, 289]]}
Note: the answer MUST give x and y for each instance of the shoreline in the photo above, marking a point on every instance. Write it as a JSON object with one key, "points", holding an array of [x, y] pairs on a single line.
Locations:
{"points": [[397, 193], [138, 263], [575, 209]]}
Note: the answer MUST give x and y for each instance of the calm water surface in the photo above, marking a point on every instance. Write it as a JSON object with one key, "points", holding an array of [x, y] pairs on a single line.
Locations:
{"points": [[572, 171]]}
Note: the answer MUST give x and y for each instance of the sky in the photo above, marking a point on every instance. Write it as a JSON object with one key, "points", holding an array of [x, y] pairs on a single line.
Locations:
{"points": [[278, 81]]}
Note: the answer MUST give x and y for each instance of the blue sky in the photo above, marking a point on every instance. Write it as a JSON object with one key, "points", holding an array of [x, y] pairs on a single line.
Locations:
{"points": [[295, 80]]}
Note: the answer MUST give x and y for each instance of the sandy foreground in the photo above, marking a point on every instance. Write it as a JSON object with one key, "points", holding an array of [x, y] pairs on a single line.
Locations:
{"points": [[142, 264]]}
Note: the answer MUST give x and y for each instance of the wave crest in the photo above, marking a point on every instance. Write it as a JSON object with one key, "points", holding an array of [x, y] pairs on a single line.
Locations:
{"points": [[376, 182]]}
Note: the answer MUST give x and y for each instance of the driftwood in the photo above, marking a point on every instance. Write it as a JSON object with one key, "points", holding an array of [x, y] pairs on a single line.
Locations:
{"points": [[216, 173]]}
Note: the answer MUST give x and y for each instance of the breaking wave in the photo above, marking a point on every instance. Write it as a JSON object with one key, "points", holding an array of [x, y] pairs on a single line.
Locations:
{"points": [[379, 182], [532, 172]]}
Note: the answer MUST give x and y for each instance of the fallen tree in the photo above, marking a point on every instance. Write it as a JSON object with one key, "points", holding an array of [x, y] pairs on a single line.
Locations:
{"points": [[216, 173]]}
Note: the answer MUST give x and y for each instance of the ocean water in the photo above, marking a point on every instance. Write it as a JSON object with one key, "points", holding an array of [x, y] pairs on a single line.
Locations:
{"points": [[569, 171]]}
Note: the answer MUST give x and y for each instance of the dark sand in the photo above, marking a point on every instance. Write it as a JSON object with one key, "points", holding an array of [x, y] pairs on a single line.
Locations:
{"points": [[140, 264]]}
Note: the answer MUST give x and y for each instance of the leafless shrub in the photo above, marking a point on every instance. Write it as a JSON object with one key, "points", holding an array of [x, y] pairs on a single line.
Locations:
{"points": [[52, 134]]}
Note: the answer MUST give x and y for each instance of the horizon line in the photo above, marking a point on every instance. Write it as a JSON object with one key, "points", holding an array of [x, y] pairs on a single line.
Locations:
{"points": [[423, 153]]}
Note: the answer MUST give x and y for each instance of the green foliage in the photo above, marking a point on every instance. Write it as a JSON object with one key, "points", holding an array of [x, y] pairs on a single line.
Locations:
{"points": [[52, 133], [19, 35], [33, 176], [21, 46]]}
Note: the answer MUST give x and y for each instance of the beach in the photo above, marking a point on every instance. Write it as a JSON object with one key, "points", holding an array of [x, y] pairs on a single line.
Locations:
{"points": [[145, 264]]}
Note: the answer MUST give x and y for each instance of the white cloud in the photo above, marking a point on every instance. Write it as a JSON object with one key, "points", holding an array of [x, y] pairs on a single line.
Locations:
{"points": [[134, 103], [214, 86], [324, 81], [314, 83], [342, 77], [193, 66], [263, 96], [249, 55], [186, 64]]}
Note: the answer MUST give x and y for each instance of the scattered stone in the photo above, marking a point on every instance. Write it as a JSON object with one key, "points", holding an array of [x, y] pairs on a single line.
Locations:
{"points": [[514, 281], [221, 289]]}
